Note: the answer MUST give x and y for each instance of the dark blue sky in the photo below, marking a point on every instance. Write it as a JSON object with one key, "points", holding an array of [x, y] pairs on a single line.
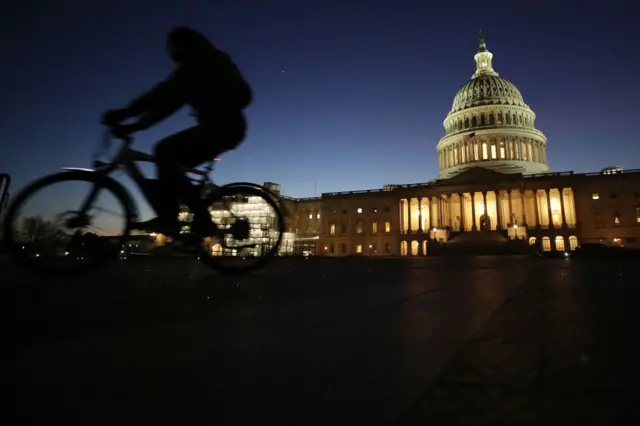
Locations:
{"points": [[351, 94]]}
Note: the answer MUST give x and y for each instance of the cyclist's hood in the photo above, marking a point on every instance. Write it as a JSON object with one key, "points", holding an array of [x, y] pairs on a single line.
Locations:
{"points": [[189, 47]]}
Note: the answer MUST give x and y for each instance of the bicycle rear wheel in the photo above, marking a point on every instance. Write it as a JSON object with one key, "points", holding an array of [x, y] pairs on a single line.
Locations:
{"points": [[57, 245], [251, 226]]}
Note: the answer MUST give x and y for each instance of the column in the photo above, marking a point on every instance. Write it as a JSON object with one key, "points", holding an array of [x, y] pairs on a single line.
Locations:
{"points": [[430, 213], [401, 221], [420, 230], [473, 211], [524, 211], [499, 209], [409, 216], [548, 194], [564, 217], [448, 200], [461, 196], [486, 210], [535, 198], [510, 208]]}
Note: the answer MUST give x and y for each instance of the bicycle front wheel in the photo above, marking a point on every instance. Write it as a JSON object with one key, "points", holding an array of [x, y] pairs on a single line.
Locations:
{"points": [[68, 223], [251, 227]]}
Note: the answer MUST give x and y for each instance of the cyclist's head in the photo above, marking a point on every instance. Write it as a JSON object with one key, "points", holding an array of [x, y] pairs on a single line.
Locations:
{"points": [[187, 45]]}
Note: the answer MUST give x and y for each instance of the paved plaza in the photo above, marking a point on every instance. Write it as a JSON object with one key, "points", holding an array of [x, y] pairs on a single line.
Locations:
{"points": [[429, 341]]}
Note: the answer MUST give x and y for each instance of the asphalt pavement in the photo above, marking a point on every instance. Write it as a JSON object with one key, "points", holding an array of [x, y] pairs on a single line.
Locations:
{"points": [[440, 341]]}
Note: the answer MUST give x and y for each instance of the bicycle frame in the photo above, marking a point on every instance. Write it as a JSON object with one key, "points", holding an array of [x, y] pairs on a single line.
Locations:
{"points": [[126, 159]]}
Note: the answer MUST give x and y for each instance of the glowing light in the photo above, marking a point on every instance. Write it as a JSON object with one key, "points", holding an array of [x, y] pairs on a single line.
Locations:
{"points": [[217, 159], [595, 196], [359, 210], [515, 226]]}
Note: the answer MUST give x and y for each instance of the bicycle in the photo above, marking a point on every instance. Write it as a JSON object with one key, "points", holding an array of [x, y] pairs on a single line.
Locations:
{"points": [[73, 248]]}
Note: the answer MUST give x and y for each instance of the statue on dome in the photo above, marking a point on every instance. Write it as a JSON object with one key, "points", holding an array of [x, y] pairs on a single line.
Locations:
{"points": [[482, 39]]}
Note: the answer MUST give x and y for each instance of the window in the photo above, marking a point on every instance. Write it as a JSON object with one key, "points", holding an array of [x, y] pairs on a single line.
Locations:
{"points": [[359, 227], [485, 154], [475, 150], [524, 151], [373, 248], [456, 156], [466, 123], [482, 121], [530, 151], [559, 243], [359, 248], [502, 150], [318, 216], [499, 118], [343, 248], [331, 249], [374, 228], [638, 214], [532, 241], [595, 196], [511, 150], [310, 215], [546, 244], [493, 151], [474, 121], [616, 218], [387, 224], [508, 118], [359, 210], [387, 247], [332, 231], [573, 242], [492, 119]]}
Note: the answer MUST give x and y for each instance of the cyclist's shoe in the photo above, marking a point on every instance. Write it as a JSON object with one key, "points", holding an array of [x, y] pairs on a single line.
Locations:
{"points": [[160, 226]]}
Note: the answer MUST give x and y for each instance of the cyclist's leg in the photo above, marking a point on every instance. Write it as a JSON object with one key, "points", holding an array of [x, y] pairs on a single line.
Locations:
{"points": [[188, 148]]}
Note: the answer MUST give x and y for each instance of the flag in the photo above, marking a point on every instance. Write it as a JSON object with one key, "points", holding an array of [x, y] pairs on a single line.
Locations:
{"points": [[469, 137]]}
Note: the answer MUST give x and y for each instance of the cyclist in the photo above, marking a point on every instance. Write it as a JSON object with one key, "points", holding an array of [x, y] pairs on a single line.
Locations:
{"points": [[208, 80]]}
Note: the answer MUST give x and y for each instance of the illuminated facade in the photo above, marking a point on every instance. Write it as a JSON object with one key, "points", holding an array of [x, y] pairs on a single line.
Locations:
{"points": [[494, 192]]}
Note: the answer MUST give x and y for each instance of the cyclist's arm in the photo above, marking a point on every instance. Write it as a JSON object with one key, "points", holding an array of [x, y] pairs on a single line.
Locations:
{"points": [[160, 102]]}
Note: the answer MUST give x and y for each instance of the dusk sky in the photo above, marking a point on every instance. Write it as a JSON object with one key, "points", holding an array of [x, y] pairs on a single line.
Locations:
{"points": [[349, 94]]}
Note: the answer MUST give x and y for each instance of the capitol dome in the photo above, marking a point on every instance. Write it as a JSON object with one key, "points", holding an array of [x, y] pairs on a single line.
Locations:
{"points": [[490, 126]]}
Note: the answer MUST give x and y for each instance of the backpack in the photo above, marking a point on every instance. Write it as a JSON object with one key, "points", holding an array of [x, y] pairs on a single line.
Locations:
{"points": [[236, 86]]}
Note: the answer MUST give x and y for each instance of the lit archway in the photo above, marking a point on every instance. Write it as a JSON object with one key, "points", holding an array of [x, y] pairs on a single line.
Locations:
{"points": [[546, 244], [532, 241], [424, 248], [559, 243], [403, 248], [573, 242], [414, 248]]}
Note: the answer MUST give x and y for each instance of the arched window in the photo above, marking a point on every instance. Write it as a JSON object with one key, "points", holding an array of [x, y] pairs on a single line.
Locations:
{"points": [[515, 119], [482, 121], [474, 121], [532, 241], [573, 242], [508, 117], [499, 118], [414, 248], [403, 248], [460, 124], [546, 244], [520, 119], [466, 123], [559, 243], [492, 119]]}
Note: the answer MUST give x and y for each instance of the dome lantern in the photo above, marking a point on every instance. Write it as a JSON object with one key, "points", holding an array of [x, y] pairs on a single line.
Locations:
{"points": [[483, 58]]}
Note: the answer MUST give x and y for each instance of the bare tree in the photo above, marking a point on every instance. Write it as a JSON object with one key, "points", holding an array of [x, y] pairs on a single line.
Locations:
{"points": [[35, 229]]}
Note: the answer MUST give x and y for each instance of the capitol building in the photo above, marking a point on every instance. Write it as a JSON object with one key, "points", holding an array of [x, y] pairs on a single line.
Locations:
{"points": [[494, 191]]}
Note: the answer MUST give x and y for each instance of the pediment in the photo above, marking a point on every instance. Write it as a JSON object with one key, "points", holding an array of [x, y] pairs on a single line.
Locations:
{"points": [[481, 175]]}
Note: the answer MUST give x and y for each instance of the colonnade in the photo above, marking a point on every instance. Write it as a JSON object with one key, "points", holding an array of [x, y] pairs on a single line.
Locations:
{"points": [[489, 210], [474, 150]]}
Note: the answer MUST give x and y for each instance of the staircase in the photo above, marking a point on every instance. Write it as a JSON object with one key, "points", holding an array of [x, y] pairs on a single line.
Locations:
{"points": [[482, 242]]}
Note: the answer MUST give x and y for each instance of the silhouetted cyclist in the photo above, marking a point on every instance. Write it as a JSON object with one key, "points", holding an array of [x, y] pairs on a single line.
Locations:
{"points": [[207, 79]]}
